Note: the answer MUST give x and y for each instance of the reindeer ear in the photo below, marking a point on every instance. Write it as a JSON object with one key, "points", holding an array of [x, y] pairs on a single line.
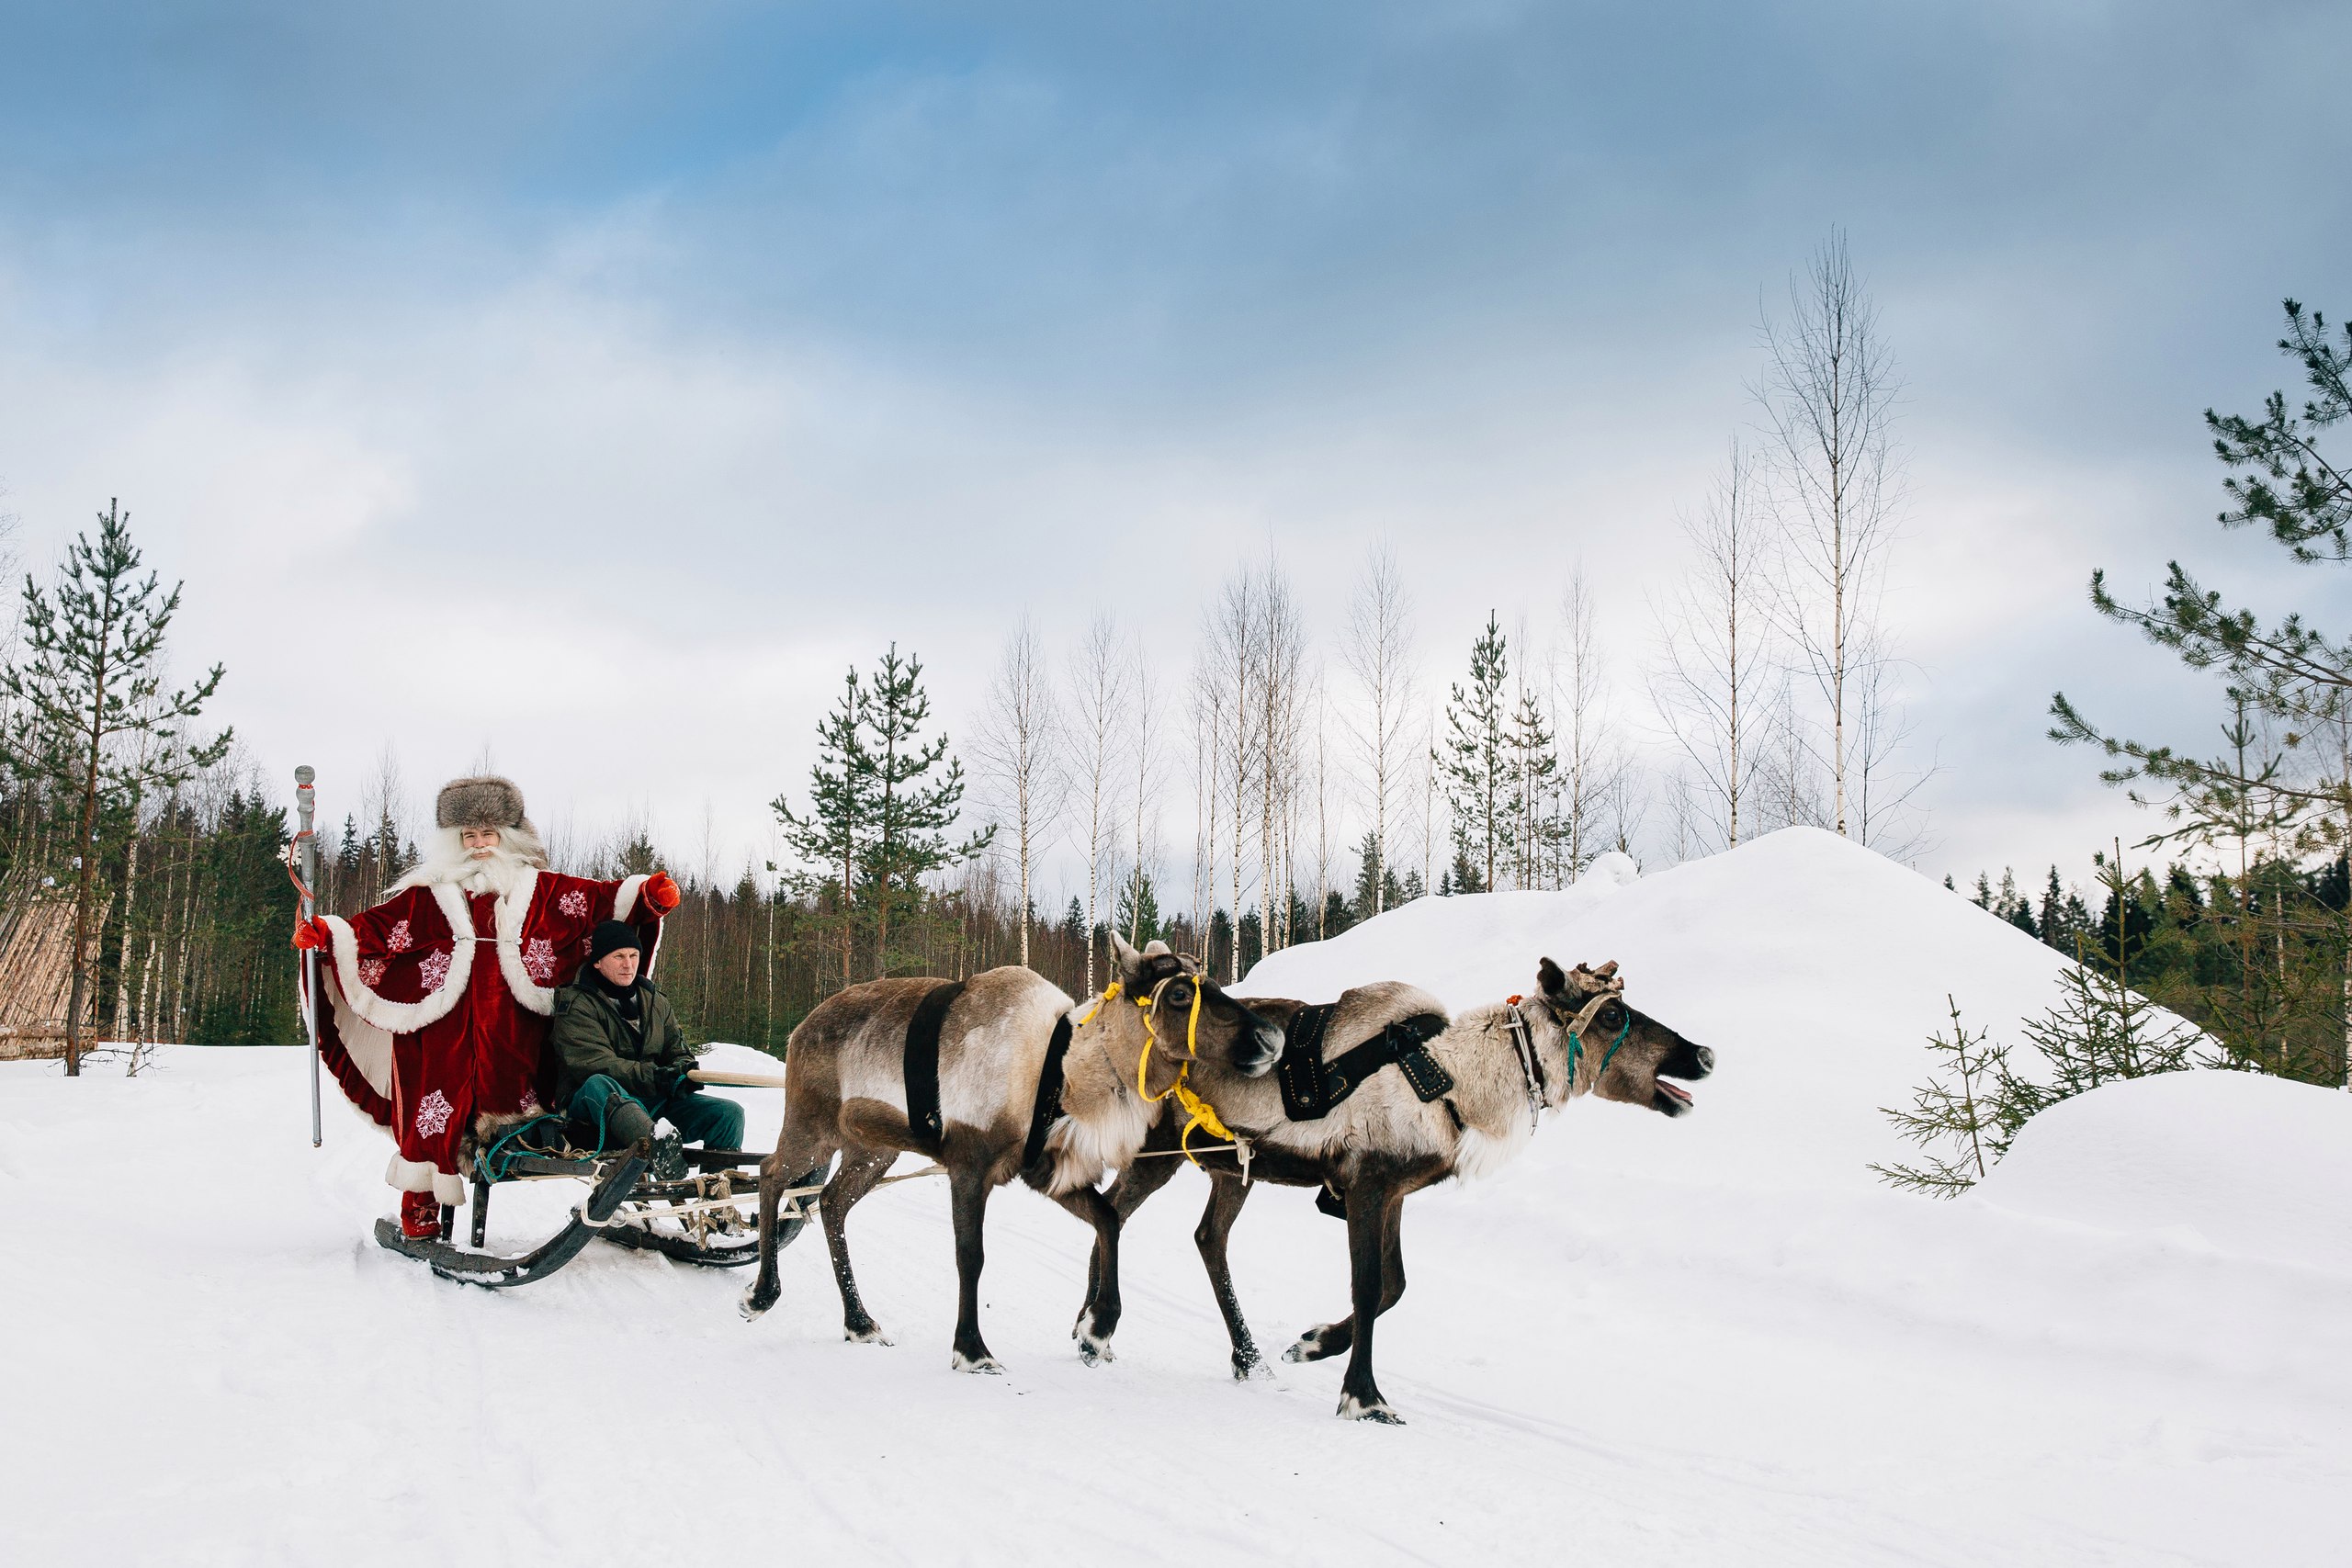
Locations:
{"points": [[1128, 960], [1548, 978], [1155, 949], [1607, 969]]}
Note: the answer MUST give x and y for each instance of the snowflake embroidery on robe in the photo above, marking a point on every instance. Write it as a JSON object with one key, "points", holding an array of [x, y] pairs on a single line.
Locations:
{"points": [[398, 939], [575, 904], [436, 969], [539, 959], [432, 1113], [371, 972]]}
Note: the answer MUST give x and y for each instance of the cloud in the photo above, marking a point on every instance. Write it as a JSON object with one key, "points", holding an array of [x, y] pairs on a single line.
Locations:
{"points": [[596, 382]]}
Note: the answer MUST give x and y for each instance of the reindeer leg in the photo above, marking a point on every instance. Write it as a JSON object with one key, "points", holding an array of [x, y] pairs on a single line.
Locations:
{"points": [[1227, 1194], [1328, 1339], [860, 1169], [1369, 1203], [969, 1198], [1138, 1181], [792, 1153], [1100, 1317]]}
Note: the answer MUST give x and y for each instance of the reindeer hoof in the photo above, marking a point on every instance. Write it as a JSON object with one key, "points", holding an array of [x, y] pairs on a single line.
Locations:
{"points": [[1095, 1352], [1353, 1409], [750, 1306], [1313, 1345], [870, 1334], [986, 1363], [1248, 1364]]}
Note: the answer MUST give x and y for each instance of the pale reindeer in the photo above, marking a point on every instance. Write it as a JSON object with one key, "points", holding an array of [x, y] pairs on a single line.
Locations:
{"points": [[998, 1114], [1507, 1064]]}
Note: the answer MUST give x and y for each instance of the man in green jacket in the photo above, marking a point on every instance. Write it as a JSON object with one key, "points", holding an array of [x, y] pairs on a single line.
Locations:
{"points": [[621, 1059]]}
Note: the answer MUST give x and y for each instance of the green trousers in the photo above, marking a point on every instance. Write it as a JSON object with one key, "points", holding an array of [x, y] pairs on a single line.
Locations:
{"points": [[704, 1119]]}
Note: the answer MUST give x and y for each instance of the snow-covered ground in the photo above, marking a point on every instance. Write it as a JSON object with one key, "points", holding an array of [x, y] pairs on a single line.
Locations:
{"points": [[1715, 1340]]}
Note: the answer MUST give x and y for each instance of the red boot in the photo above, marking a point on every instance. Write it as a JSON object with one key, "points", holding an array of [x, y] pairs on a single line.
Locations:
{"points": [[420, 1216]]}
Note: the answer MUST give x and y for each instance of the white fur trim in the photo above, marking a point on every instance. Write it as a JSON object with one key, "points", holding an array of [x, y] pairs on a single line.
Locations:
{"points": [[624, 899], [422, 1176], [625, 905], [407, 1017], [508, 922], [370, 1048]]}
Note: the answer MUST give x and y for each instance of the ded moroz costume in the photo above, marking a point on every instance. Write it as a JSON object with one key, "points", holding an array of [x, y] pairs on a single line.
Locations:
{"points": [[437, 999]]}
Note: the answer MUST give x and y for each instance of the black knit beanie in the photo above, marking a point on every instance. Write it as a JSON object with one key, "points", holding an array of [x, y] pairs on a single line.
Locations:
{"points": [[611, 936]]}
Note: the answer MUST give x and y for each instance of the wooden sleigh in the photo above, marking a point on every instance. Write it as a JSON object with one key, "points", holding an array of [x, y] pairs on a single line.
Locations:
{"points": [[699, 1206]]}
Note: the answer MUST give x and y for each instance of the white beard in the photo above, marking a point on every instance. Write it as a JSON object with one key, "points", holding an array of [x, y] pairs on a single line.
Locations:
{"points": [[447, 860]]}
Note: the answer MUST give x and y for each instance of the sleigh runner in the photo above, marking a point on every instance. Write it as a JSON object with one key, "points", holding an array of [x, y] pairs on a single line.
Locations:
{"points": [[697, 1206]]}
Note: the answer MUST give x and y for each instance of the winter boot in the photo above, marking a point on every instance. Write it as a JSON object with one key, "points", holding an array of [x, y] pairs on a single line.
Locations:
{"points": [[420, 1216]]}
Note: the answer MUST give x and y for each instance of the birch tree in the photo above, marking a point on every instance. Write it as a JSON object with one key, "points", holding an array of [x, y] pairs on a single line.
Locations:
{"points": [[1713, 665], [1281, 645], [1020, 753], [1100, 676], [1377, 645], [1594, 766], [1230, 655], [1828, 396], [1151, 776]]}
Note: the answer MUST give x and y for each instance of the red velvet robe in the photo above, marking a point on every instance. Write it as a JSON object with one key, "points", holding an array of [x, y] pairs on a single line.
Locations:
{"points": [[436, 1006]]}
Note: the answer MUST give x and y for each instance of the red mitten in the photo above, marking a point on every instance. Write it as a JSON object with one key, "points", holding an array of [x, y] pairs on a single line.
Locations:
{"points": [[312, 935], [661, 894]]}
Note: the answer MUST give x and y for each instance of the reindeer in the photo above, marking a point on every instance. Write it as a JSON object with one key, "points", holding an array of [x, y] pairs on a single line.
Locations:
{"points": [[996, 1116], [1577, 1035]]}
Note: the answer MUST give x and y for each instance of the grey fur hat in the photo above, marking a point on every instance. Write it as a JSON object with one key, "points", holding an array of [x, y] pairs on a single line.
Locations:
{"points": [[488, 801]]}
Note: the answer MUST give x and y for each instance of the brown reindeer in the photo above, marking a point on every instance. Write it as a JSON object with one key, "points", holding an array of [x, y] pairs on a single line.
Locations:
{"points": [[847, 1092], [1577, 1035]]}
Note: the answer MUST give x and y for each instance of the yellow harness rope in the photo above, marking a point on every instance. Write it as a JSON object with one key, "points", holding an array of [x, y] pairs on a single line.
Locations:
{"points": [[1202, 1113]]}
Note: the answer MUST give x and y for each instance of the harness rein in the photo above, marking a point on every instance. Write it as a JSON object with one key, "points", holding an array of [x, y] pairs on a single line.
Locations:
{"points": [[1531, 1066]]}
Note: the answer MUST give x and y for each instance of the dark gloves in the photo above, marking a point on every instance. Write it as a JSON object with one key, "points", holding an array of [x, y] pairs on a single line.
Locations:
{"points": [[676, 1082]]}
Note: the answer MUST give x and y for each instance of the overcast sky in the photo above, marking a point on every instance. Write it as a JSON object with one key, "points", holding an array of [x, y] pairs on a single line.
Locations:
{"points": [[590, 383]]}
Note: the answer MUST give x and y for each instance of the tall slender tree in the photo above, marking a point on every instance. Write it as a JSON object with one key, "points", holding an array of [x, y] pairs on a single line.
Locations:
{"points": [[915, 810], [1711, 662], [94, 720], [832, 836], [1021, 754], [1828, 395], [1100, 678], [1378, 647], [1478, 763]]}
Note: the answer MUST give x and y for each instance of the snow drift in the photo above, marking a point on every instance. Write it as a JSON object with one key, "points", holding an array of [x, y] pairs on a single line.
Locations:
{"points": [[1713, 1340], [2253, 1166], [1816, 968]]}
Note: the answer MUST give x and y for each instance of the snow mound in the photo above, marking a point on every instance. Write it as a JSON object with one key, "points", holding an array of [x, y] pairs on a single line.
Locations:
{"points": [[1814, 967], [2251, 1166]]}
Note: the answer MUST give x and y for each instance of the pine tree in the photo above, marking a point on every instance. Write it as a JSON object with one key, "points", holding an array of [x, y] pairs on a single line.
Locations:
{"points": [[833, 836], [1139, 909], [913, 812], [1535, 768], [96, 724], [1954, 1117], [1477, 761]]}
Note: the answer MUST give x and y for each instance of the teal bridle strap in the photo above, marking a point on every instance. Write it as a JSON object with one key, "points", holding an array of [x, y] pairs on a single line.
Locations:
{"points": [[1575, 1050]]}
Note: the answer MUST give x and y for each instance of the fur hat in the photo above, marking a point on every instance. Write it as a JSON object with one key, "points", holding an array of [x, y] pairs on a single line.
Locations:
{"points": [[485, 801]]}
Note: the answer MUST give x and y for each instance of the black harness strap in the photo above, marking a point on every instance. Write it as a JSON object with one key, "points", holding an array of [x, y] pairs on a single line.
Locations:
{"points": [[1300, 1071], [1049, 1095], [1311, 1086], [923, 1064]]}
